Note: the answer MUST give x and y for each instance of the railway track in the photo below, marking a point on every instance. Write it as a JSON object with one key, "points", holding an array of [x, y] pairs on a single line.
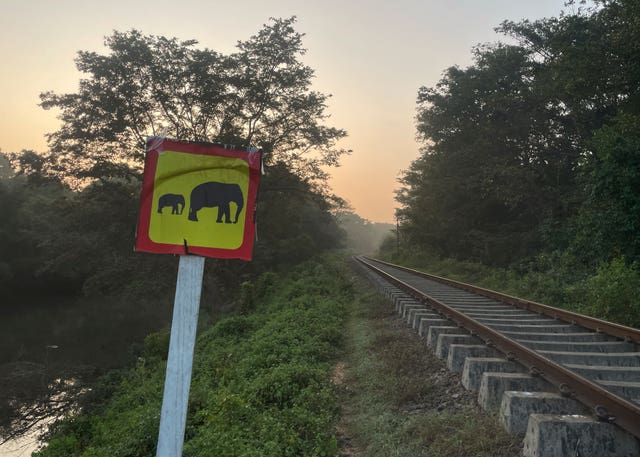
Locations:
{"points": [[570, 383]]}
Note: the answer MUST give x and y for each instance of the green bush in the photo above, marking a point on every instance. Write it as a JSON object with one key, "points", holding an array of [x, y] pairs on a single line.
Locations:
{"points": [[156, 345], [613, 293]]}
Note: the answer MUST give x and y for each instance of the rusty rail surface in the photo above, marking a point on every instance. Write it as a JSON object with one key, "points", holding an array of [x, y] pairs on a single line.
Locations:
{"points": [[607, 406]]}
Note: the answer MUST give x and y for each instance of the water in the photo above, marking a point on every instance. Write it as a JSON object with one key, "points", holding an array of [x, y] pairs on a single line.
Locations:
{"points": [[63, 337], [97, 333], [21, 447]]}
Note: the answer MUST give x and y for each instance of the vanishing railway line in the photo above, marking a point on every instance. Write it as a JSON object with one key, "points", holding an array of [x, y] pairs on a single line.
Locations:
{"points": [[548, 371]]}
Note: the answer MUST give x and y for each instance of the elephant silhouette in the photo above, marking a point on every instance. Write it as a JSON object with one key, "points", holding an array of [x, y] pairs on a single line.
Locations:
{"points": [[210, 194], [175, 201]]}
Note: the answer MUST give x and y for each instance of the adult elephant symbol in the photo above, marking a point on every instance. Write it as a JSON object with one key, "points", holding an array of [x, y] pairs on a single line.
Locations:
{"points": [[212, 194]]}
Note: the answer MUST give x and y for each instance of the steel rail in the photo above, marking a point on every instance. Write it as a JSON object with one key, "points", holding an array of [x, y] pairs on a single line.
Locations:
{"points": [[607, 406], [623, 332]]}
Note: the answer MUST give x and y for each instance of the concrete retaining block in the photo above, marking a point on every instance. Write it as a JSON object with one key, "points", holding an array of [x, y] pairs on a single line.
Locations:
{"points": [[475, 367], [578, 346], [516, 321], [404, 310], [517, 406], [622, 388], [493, 385], [436, 330], [502, 315], [555, 328], [401, 302], [445, 340], [575, 435], [394, 294], [426, 324], [480, 308], [414, 317], [464, 298], [458, 354]]}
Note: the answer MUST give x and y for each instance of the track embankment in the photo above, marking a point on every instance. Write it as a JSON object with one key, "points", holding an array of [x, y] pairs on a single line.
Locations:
{"points": [[568, 382]]}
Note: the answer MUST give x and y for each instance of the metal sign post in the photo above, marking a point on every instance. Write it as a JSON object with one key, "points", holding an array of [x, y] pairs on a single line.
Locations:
{"points": [[173, 418]]}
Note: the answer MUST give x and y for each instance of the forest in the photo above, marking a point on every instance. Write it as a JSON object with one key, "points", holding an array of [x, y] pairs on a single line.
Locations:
{"points": [[530, 161]]}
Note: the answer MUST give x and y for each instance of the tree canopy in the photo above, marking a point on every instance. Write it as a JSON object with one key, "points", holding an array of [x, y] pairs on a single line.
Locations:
{"points": [[69, 214], [530, 146], [259, 95]]}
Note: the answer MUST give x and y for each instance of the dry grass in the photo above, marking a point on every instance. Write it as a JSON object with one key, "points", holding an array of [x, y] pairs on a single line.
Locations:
{"points": [[400, 400]]}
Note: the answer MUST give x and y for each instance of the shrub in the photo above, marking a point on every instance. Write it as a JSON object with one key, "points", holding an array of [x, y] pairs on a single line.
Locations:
{"points": [[260, 383], [613, 293]]}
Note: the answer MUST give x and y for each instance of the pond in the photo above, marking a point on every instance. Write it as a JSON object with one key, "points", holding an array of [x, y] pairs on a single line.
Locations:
{"points": [[44, 339]]}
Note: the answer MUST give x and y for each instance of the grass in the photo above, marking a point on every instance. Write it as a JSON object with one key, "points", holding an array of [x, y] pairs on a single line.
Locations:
{"points": [[399, 400], [261, 382], [266, 383]]}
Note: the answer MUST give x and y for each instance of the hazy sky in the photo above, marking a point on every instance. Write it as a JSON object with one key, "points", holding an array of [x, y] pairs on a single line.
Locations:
{"points": [[372, 56]]}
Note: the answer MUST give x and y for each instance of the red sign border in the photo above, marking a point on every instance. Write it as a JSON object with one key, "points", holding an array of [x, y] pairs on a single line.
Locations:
{"points": [[154, 146]]}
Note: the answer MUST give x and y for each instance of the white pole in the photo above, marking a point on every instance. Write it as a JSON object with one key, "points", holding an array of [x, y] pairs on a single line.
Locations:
{"points": [[173, 418]]}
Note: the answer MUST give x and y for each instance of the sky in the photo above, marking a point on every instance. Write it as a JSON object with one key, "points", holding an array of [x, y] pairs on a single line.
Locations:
{"points": [[371, 56]]}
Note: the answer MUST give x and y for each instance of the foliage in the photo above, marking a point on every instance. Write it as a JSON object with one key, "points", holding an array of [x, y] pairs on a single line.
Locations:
{"points": [[147, 84], [533, 148], [489, 172], [69, 215], [6, 171], [258, 95], [260, 384], [612, 293], [66, 240], [294, 220], [609, 221], [26, 201], [58, 241]]}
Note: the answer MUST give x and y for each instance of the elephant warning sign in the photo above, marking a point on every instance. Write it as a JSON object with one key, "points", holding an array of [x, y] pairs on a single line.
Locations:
{"points": [[198, 199]]}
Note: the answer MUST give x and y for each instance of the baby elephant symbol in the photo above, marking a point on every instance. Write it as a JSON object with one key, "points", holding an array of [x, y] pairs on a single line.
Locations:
{"points": [[210, 194], [175, 201]]}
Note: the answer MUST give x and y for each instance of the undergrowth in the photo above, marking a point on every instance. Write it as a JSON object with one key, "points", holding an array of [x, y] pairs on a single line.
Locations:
{"points": [[261, 381]]}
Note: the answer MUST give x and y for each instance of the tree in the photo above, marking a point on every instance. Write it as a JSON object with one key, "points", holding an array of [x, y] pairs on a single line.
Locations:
{"points": [[259, 95], [609, 220], [496, 157], [515, 146], [26, 196], [592, 74], [294, 220], [82, 236], [149, 85]]}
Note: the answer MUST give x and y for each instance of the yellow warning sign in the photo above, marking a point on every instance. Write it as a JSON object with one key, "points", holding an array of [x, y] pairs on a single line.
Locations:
{"points": [[198, 199]]}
